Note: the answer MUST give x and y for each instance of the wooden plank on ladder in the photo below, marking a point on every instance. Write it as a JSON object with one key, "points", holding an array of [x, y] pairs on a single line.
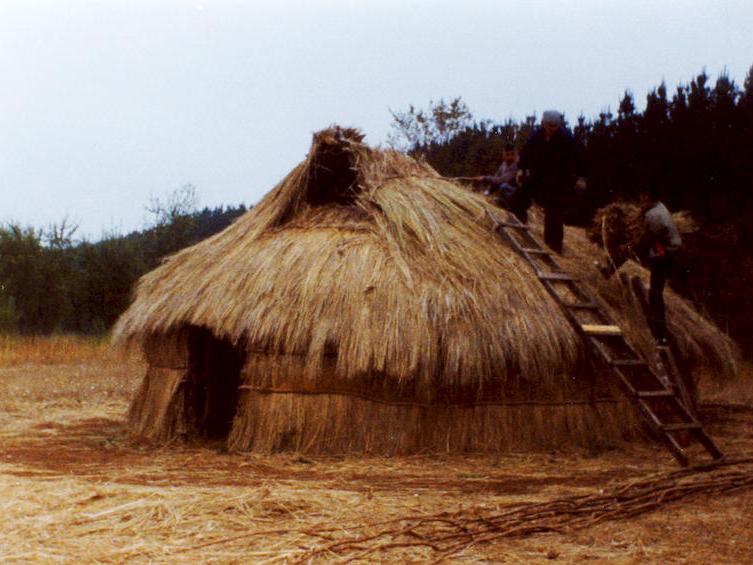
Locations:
{"points": [[601, 329]]}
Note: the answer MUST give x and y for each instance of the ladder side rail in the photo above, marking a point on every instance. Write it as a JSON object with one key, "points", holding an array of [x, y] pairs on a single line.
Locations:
{"points": [[666, 355], [668, 361], [582, 296], [708, 443]]}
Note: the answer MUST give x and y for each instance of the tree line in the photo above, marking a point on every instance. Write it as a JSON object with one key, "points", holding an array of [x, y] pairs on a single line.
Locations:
{"points": [[51, 283], [695, 144]]}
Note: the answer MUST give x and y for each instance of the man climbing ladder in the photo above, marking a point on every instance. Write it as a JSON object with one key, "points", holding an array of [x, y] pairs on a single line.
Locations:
{"points": [[659, 245]]}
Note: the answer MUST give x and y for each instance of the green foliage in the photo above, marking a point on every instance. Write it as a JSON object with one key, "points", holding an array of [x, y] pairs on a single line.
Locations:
{"points": [[49, 282], [34, 277], [437, 125]]}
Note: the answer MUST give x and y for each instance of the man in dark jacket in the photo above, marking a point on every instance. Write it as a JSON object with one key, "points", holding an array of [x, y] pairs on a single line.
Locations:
{"points": [[552, 169]]}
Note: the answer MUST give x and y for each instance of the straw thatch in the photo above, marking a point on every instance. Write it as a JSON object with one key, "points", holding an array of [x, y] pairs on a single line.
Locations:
{"points": [[373, 307]]}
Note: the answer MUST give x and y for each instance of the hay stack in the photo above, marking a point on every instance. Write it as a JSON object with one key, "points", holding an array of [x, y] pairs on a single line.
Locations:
{"points": [[620, 228], [366, 304]]}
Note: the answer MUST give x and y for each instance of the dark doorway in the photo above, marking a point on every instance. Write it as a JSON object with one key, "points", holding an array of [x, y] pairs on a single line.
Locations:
{"points": [[214, 375]]}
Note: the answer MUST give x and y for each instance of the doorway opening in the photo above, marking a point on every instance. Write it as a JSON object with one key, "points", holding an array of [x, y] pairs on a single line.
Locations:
{"points": [[214, 374]]}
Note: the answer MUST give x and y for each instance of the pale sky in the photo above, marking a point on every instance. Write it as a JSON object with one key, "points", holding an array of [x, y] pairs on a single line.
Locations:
{"points": [[104, 103]]}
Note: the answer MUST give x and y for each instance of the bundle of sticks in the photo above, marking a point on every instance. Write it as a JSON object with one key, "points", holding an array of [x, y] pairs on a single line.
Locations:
{"points": [[449, 533]]}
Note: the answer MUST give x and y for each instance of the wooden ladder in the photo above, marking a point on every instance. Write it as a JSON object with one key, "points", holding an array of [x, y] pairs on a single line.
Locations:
{"points": [[655, 395]]}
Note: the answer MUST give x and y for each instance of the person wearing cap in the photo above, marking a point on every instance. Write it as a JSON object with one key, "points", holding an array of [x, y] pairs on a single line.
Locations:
{"points": [[551, 170]]}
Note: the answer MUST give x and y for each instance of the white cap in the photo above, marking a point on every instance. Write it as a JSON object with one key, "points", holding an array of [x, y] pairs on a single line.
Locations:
{"points": [[551, 117]]}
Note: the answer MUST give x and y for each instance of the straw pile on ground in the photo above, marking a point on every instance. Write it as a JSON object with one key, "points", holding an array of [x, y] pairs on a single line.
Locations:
{"points": [[75, 489], [367, 305]]}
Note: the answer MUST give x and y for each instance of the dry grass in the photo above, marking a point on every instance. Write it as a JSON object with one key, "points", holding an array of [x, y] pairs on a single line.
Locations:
{"points": [[47, 372], [738, 391], [73, 489], [19, 350]]}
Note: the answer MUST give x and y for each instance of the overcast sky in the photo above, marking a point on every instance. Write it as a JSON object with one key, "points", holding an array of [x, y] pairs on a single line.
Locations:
{"points": [[104, 104]]}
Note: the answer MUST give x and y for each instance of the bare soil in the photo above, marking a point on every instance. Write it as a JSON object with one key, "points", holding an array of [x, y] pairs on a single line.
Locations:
{"points": [[74, 488]]}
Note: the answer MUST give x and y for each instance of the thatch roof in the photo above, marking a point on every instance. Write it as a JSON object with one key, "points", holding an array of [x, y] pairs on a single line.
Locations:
{"points": [[372, 259]]}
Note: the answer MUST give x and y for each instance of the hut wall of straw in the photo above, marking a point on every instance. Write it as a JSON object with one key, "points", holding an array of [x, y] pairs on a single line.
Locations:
{"points": [[282, 407], [319, 422], [366, 294], [158, 412]]}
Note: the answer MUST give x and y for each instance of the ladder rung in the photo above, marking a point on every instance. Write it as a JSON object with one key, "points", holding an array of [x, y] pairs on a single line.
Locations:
{"points": [[534, 251], [601, 329], [654, 393], [681, 427], [582, 306], [555, 276], [514, 226], [628, 362]]}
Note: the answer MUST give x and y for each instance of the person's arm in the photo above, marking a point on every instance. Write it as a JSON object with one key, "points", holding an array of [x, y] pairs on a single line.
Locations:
{"points": [[496, 178], [671, 238], [644, 245], [524, 162], [580, 161], [576, 151]]}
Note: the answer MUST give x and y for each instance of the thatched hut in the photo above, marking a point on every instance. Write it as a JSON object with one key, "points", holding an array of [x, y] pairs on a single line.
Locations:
{"points": [[367, 305]]}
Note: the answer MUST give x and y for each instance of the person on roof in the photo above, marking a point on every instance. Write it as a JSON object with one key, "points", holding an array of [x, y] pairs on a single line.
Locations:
{"points": [[506, 172], [503, 185], [551, 171]]}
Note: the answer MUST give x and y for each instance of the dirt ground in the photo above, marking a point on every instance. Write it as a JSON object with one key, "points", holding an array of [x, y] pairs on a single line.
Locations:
{"points": [[73, 489]]}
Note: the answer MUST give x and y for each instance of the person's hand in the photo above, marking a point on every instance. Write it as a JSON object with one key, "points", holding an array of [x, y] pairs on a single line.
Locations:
{"points": [[519, 177], [580, 185]]}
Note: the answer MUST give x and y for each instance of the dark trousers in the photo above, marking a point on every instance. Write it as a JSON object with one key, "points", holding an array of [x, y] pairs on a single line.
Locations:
{"points": [[515, 199], [659, 272], [519, 207], [554, 227]]}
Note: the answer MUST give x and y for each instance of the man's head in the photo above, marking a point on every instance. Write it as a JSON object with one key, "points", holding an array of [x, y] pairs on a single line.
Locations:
{"points": [[509, 153], [653, 184], [650, 194], [551, 121]]}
